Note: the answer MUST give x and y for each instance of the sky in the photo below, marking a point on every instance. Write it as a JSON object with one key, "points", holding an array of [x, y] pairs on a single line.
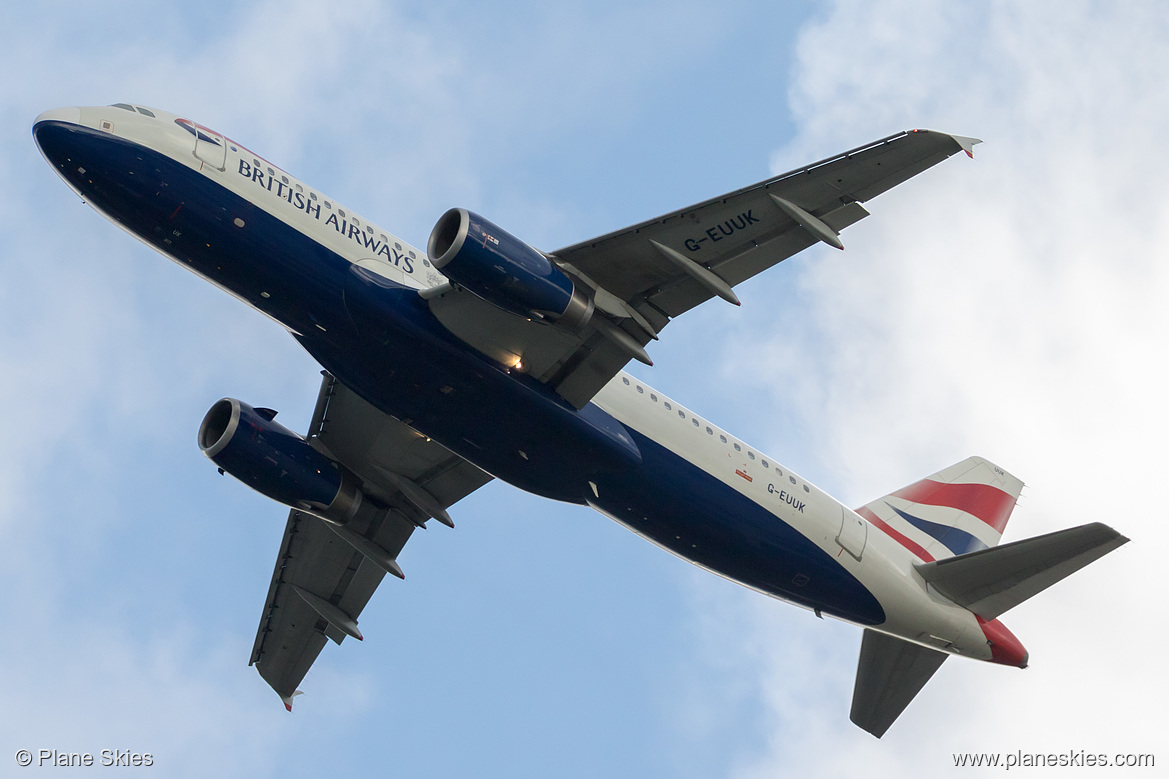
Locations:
{"points": [[1011, 306]]}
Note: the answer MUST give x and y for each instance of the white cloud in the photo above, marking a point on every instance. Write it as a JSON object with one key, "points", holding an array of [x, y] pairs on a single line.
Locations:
{"points": [[1011, 307]]}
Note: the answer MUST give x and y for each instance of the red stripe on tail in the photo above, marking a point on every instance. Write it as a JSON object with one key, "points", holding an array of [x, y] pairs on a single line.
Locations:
{"points": [[900, 538], [990, 504]]}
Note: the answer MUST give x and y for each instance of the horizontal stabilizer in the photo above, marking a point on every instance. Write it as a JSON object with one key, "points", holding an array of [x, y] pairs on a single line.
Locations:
{"points": [[890, 672], [992, 581]]}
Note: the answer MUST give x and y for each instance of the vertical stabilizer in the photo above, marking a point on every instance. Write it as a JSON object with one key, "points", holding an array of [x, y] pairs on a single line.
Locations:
{"points": [[960, 509]]}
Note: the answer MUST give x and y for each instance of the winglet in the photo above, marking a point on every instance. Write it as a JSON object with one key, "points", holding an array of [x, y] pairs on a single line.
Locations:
{"points": [[967, 144], [288, 700]]}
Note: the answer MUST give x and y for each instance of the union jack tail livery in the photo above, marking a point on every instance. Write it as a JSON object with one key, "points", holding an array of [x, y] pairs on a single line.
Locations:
{"points": [[961, 509]]}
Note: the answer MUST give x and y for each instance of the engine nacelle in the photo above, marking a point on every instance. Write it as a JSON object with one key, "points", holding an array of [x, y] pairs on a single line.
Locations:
{"points": [[276, 462], [505, 271]]}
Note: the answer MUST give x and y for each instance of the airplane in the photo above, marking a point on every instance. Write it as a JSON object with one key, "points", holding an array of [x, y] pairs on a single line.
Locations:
{"points": [[484, 358]]}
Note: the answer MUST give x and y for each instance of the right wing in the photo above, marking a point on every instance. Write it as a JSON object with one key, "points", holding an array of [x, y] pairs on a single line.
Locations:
{"points": [[324, 575], [642, 276]]}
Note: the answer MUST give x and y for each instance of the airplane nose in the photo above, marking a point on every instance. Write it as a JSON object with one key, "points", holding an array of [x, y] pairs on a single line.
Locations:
{"points": [[51, 129], [72, 115]]}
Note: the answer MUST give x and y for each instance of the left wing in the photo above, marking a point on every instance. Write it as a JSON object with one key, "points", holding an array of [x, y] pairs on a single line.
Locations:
{"points": [[326, 574], [642, 276]]}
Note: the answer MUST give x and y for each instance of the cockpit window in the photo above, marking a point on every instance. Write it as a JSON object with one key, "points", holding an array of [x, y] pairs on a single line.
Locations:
{"points": [[190, 127], [129, 108], [146, 112]]}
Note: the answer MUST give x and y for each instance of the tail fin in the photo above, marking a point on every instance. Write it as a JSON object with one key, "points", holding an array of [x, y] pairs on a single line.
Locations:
{"points": [[991, 581], [960, 509]]}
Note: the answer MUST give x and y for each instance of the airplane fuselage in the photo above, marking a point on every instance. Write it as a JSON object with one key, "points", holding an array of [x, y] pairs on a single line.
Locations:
{"points": [[348, 292]]}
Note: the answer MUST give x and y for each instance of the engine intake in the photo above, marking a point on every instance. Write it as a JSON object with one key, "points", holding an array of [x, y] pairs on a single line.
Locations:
{"points": [[276, 462], [503, 270]]}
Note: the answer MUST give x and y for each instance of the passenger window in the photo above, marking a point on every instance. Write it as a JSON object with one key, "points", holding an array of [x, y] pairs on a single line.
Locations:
{"points": [[738, 448], [639, 389], [398, 246], [625, 380], [709, 431], [722, 438], [284, 179], [806, 488], [695, 421], [668, 407], [312, 195], [341, 211], [327, 204], [792, 479], [653, 397], [765, 465], [681, 413], [750, 455]]}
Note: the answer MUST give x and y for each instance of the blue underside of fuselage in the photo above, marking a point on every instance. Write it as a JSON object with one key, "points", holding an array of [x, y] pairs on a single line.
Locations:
{"points": [[380, 339]]}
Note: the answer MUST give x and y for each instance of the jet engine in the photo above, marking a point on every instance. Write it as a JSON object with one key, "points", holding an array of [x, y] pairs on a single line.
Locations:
{"points": [[503, 270], [276, 462]]}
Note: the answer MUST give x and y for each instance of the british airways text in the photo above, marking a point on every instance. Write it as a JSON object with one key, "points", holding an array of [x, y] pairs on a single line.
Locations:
{"points": [[312, 207]]}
